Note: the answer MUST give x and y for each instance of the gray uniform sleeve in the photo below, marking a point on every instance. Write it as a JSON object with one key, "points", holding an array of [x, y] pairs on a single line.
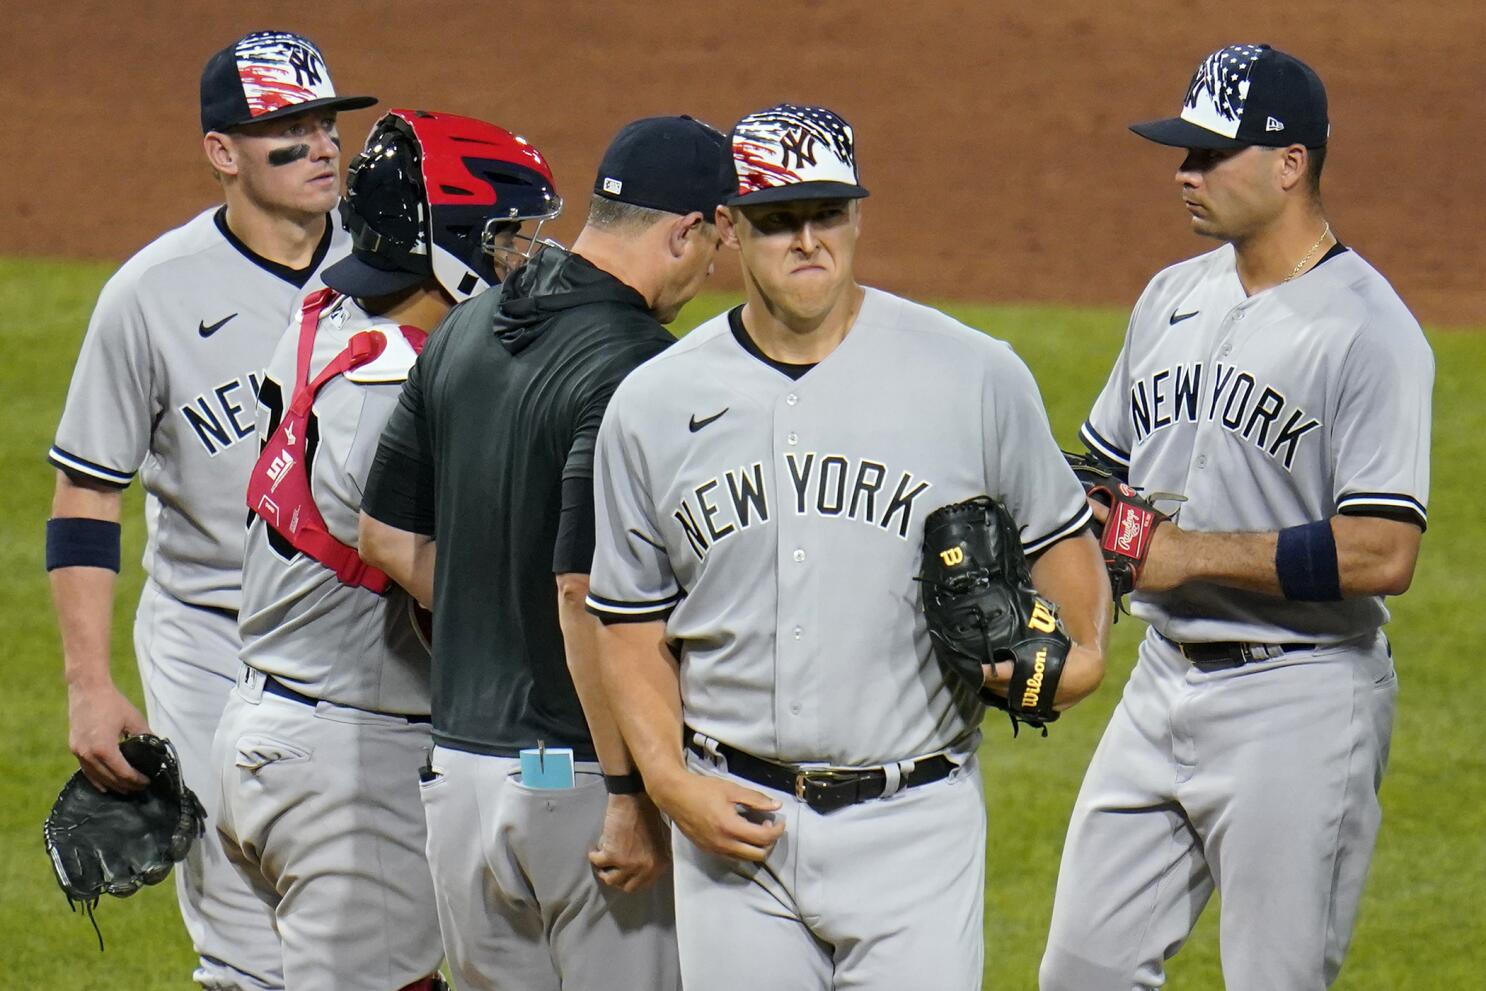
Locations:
{"points": [[631, 579], [1380, 433], [400, 487], [351, 422], [112, 401], [1107, 431], [1025, 470]]}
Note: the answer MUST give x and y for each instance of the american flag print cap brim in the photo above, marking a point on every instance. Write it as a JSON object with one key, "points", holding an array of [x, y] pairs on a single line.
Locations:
{"points": [[1244, 95], [266, 75]]}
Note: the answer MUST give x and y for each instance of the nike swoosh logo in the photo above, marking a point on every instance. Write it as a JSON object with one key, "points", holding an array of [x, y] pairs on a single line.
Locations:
{"points": [[1177, 318], [699, 424], [207, 330]]}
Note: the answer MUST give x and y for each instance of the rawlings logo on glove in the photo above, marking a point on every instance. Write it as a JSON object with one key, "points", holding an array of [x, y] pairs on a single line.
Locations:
{"points": [[1130, 526]]}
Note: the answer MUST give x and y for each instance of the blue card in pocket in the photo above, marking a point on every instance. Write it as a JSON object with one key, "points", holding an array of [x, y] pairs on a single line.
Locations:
{"points": [[547, 768]]}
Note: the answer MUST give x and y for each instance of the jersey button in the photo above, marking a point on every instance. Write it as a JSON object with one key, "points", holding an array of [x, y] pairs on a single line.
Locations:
{"points": [[1238, 314], [1202, 460], [799, 555], [791, 399], [794, 708], [1225, 350], [792, 438], [799, 632]]}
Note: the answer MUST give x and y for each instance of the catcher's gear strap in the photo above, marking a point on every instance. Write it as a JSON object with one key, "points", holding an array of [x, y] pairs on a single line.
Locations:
{"points": [[1305, 561], [279, 487], [79, 542]]}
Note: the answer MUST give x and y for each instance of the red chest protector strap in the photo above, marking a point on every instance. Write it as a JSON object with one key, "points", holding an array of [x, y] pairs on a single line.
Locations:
{"points": [[279, 488]]}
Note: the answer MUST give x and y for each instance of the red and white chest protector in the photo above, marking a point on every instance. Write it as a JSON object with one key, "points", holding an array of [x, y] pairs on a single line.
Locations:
{"points": [[279, 487]]}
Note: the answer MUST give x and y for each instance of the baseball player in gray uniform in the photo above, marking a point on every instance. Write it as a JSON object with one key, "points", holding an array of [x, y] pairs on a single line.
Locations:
{"points": [[1280, 384], [760, 491], [164, 386], [320, 744]]}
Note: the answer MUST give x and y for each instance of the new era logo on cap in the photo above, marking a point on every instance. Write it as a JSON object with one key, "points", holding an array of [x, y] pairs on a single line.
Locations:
{"points": [[613, 186], [1270, 124], [794, 152]]}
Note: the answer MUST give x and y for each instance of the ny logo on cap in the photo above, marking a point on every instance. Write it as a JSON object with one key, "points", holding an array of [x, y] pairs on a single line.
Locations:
{"points": [[789, 144], [280, 69], [306, 64], [801, 144]]}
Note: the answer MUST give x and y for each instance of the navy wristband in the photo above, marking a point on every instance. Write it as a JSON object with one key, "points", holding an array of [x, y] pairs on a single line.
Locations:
{"points": [[1305, 561], [79, 542]]}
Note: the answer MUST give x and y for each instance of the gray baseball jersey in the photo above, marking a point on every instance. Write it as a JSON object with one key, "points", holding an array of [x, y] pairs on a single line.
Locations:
{"points": [[1298, 403], [299, 622], [776, 523], [164, 386], [1257, 782]]}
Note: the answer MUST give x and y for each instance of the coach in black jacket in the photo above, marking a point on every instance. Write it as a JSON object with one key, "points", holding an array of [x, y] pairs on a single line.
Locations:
{"points": [[482, 492]]}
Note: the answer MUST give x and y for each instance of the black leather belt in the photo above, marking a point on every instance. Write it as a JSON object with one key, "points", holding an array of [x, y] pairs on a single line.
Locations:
{"points": [[273, 686], [1222, 654], [824, 789]]}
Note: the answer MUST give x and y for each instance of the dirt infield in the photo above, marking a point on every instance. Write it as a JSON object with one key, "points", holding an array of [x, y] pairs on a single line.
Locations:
{"points": [[992, 135]]}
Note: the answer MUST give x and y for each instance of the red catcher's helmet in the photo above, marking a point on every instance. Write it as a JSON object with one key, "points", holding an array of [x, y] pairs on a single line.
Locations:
{"points": [[423, 192]]}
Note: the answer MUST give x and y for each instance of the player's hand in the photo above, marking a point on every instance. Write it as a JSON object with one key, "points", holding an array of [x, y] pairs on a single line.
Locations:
{"points": [[1161, 570], [722, 816], [998, 676], [634, 848], [98, 717]]}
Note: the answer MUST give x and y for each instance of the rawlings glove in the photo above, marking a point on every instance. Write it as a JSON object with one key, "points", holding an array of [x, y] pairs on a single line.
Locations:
{"points": [[106, 843], [981, 608], [1126, 538]]}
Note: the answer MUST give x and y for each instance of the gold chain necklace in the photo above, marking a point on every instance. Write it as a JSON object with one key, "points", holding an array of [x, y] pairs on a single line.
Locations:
{"points": [[1301, 264]]}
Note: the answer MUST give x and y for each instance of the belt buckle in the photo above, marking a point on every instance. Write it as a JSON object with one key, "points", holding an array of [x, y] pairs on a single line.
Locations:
{"points": [[1253, 653], [825, 790]]}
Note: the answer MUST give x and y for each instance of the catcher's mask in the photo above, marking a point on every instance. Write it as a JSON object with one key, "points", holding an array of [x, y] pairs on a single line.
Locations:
{"points": [[442, 195]]}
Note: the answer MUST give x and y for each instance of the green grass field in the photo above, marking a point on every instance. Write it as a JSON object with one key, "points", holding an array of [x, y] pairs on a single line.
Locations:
{"points": [[1422, 920]]}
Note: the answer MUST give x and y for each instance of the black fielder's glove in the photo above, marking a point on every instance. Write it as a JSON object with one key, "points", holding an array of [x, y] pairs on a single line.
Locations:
{"points": [[981, 608], [1126, 537], [107, 843]]}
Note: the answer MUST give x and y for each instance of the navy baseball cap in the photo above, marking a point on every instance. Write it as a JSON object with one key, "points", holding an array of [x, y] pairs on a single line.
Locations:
{"points": [[265, 75], [792, 152], [675, 164], [1246, 95], [364, 274]]}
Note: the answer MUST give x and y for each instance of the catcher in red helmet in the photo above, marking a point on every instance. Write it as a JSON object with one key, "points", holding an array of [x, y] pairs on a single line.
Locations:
{"points": [[320, 746], [439, 197]]}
